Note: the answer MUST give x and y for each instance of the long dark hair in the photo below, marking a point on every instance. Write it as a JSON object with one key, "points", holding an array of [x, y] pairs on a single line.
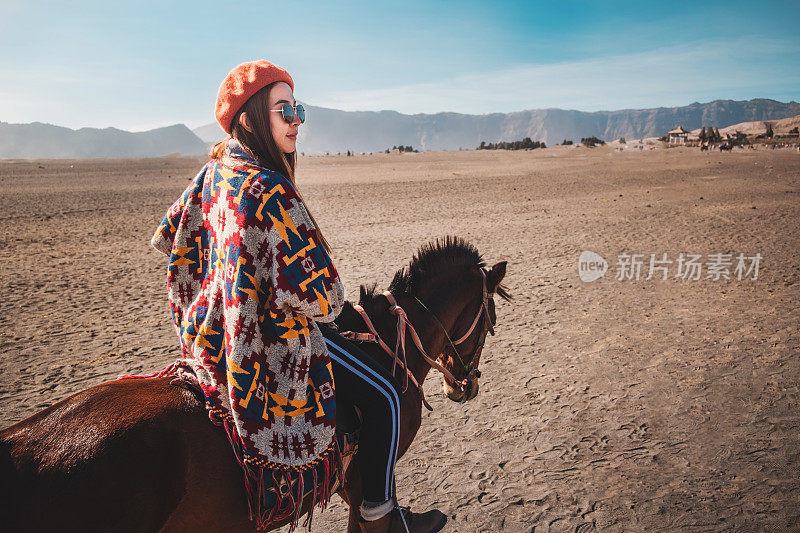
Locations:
{"points": [[260, 144]]}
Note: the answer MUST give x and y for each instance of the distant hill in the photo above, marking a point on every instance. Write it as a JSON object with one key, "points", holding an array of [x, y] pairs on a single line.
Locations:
{"points": [[331, 130], [38, 140], [779, 127], [211, 133]]}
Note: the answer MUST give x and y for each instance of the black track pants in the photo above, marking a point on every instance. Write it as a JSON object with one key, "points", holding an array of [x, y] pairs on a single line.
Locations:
{"points": [[363, 383]]}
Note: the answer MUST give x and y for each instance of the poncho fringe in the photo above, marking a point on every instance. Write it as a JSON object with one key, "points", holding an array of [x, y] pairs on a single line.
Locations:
{"points": [[263, 512]]}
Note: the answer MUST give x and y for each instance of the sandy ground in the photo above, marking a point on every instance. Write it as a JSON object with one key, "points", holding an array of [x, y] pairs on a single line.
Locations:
{"points": [[616, 405]]}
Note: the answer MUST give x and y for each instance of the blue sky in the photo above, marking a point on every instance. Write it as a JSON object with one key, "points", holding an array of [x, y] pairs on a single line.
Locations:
{"points": [[144, 64]]}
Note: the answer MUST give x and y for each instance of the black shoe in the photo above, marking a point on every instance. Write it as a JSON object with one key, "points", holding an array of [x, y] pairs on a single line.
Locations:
{"points": [[427, 522]]}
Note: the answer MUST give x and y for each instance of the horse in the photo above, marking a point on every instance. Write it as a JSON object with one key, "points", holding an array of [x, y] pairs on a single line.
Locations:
{"points": [[141, 455]]}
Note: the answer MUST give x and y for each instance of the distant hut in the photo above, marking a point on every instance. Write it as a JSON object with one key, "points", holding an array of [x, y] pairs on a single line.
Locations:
{"points": [[677, 136]]}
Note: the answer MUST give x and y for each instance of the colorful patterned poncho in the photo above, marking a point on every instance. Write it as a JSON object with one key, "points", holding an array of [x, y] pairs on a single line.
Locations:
{"points": [[247, 280]]}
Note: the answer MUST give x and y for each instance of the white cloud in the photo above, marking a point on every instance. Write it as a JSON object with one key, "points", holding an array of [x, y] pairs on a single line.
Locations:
{"points": [[674, 75]]}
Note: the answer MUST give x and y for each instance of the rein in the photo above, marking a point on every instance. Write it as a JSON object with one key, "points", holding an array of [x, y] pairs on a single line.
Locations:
{"points": [[398, 355]]}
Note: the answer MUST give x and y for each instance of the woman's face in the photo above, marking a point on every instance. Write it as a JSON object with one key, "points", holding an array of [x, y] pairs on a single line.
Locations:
{"points": [[285, 135]]}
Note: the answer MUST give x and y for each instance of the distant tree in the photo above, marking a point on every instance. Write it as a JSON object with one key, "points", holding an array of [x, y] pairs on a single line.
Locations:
{"points": [[387, 151], [622, 140], [717, 136], [702, 134], [794, 130], [592, 141], [348, 153], [769, 132], [566, 143], [525, 144]]}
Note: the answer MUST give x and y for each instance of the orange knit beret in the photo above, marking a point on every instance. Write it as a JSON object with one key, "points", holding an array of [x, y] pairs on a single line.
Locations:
{"points": [[243, 82]]}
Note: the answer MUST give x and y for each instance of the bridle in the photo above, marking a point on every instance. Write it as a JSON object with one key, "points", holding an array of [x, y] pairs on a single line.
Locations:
{"points": [[487, 327], [398, 355]]}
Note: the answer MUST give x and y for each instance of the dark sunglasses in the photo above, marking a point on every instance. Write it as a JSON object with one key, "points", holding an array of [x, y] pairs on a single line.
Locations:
{"points": [[289, 111]]}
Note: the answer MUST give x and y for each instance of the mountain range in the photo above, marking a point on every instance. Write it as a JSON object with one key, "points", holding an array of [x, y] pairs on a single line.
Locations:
{"points": [[333, 130], [39, 140]]}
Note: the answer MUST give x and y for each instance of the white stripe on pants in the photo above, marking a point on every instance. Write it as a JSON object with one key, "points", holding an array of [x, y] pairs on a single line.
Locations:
{"points": [[378, 382]]}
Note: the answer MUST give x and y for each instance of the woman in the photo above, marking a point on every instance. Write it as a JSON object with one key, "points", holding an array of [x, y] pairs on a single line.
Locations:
{"points": [[249, 278]]}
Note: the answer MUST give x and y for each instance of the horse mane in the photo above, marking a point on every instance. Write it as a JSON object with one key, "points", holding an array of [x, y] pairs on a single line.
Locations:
{"points": [[430, 260]]}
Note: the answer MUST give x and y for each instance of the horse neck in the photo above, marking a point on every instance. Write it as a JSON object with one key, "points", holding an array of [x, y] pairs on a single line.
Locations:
{"points": [[429, 332], [445, 298], [386, 323]]}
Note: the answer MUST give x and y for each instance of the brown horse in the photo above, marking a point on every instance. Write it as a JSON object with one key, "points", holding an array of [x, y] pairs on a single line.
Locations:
{"points": [[141, 454]]}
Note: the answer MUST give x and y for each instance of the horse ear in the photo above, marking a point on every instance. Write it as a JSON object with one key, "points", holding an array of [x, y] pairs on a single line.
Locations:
{"points": [[495, 275]]}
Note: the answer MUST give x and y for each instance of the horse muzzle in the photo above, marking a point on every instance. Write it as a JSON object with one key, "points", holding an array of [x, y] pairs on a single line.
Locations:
{"points": [[461, 394]]}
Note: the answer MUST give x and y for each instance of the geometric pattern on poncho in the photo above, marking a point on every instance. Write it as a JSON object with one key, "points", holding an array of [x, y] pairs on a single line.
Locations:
{"points": [[247, 279]]}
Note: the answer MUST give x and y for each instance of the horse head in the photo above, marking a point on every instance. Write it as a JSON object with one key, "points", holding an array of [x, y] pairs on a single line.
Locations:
{"points": [[443, 301], [449, 294], [462, 354]]}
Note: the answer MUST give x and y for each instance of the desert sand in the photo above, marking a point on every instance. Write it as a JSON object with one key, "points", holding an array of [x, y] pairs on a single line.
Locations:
{"points": [[617, 405]]}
